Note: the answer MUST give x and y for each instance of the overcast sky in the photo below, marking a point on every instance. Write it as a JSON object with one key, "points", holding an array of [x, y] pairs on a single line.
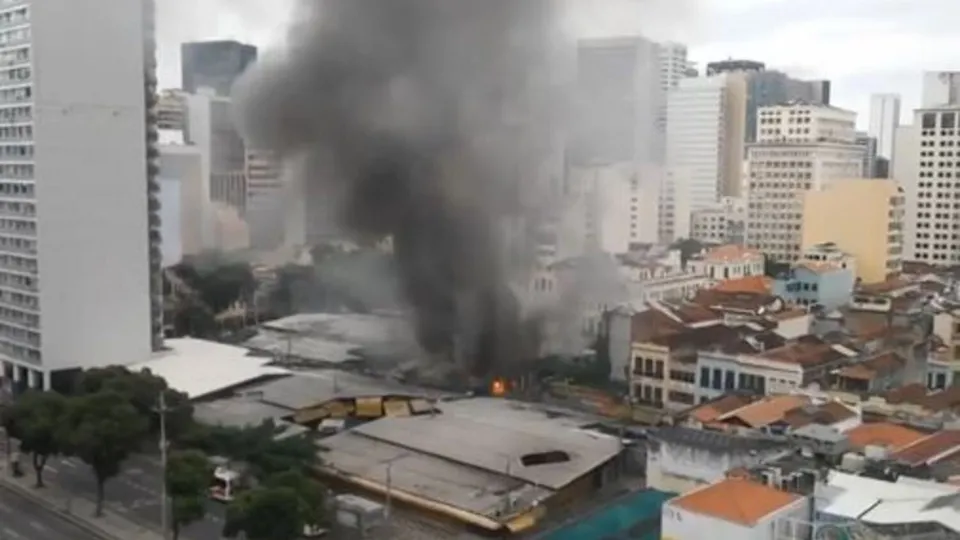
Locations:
{"points": [[863, 46]]}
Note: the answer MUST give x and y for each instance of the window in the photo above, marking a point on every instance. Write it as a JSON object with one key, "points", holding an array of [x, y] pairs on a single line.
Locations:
{"points": [[728, 382], [929, 120], [717, 379], [704, 377], [948, 120]]}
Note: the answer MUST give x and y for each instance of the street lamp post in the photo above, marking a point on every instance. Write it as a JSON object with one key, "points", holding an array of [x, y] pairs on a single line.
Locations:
{"points": [[164, 510]]}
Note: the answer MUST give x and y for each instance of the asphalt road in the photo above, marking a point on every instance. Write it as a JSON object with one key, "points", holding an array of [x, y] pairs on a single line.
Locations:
{"points": [[135, 494], [23, 519]]}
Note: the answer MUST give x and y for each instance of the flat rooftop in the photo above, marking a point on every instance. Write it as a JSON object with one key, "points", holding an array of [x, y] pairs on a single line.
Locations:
{"points": [[334, 338], [470, 455]]}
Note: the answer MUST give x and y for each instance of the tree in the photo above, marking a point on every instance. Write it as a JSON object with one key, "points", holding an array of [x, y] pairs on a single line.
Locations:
{"points": [[103, 429], [311, 496], [262, 447], [265, 513], [142, 389], [188, 476], [36, 419]]}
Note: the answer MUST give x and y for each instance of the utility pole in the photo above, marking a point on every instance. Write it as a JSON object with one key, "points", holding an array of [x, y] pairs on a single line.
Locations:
{"points": [[389, 501], [164, 516]]}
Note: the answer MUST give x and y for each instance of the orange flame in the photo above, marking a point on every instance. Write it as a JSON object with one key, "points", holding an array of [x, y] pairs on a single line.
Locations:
{"points": [[498, 388]]}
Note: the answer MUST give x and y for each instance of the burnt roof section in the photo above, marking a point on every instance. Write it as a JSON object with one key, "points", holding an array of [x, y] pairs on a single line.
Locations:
{"points": [[751, 302], [715, 441]]}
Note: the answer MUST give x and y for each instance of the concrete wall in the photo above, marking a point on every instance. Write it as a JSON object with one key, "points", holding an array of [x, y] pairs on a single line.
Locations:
{"points": [[90, 149]]}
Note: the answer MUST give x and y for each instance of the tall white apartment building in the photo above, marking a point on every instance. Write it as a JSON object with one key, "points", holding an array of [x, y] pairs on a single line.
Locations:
{"points": [[927, 163], [800, 146], [705, 132], [884, 120], [77, 204], [674, 64]]}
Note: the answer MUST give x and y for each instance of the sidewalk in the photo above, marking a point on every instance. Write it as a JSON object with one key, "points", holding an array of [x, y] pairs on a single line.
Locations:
{"points": [[77, 510]]}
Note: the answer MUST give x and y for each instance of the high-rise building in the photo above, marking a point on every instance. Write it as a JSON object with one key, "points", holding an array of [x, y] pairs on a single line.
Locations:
{"points": [[75, 275], [927, 165], [264, 199], [871, 226], [870, 160], [884, 119], [800, 147], [705, 124], [767, 88], [214, 64], [619, 96]]}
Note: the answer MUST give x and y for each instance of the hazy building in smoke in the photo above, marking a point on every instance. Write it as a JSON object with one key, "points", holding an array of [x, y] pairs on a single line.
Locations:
{"points": [[76, 276], [884, 120], [264, 206], [800, 147], [214, 64], [607, 209], [185, 201], [619, 96]]}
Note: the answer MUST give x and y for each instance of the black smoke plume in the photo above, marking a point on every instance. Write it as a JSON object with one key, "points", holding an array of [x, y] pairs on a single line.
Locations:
{"points": [[422, 120]]}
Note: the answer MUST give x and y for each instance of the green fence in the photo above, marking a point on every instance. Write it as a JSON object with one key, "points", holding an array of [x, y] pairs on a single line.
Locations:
{"points": [[633, 517]]}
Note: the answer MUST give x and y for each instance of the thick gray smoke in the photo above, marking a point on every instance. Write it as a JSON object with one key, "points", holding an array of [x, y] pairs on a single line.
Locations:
{"points": [[421, 119]]}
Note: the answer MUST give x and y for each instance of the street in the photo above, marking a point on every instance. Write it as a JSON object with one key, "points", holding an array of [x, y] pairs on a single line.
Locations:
{"points": [[23, 519], [135, 493]]}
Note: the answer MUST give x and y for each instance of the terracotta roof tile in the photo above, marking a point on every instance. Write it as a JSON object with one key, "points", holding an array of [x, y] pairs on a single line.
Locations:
{"points": [[820, 267], [913, 393], [878, 366], [710, 411], [890, 285], [930, 449], [735, 500], [888, 434], [942, 400], [826, 414], [805, 353], [749, 284], [766, 411], [650, 324]]}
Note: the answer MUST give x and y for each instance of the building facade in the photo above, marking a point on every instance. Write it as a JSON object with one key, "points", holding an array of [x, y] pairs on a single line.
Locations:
{"points": [[825, 284], [766, 88], [927, 161], [214, 64], [800, 147], [884, 120], [75, 282], [871, 229], [705, 123], [727, 262], [722, 223]]}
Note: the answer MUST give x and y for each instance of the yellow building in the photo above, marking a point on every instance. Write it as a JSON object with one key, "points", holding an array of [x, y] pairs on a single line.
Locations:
{"points": [[863, 217]]}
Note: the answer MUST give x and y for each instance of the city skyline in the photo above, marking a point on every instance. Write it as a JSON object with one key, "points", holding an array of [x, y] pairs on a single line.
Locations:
{"points": [[880, 46]]}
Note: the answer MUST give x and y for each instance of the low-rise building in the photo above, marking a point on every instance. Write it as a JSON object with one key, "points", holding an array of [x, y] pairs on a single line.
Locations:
{"points": [[852, 506], [876, 374], [727, 262], [735, 508], [681, 459], [777, 367], [721, 223], [807, 284]]}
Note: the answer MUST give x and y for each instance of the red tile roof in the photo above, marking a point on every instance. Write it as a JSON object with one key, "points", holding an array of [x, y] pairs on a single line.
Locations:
{"points": [[930, 449], [736, 500], [886, 434]]}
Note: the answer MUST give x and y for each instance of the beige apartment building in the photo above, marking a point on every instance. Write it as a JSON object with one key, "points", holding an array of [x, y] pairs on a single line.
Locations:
{"points": [[863, 217], [800, 147]]}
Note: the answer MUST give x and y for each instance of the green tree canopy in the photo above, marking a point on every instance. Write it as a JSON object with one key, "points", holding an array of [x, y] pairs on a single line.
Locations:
{"points": [[142, 389], [262, 447], [265, 513], [102, 429], [218, 280], [188, 477], [311, 495], [36, 419]]}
